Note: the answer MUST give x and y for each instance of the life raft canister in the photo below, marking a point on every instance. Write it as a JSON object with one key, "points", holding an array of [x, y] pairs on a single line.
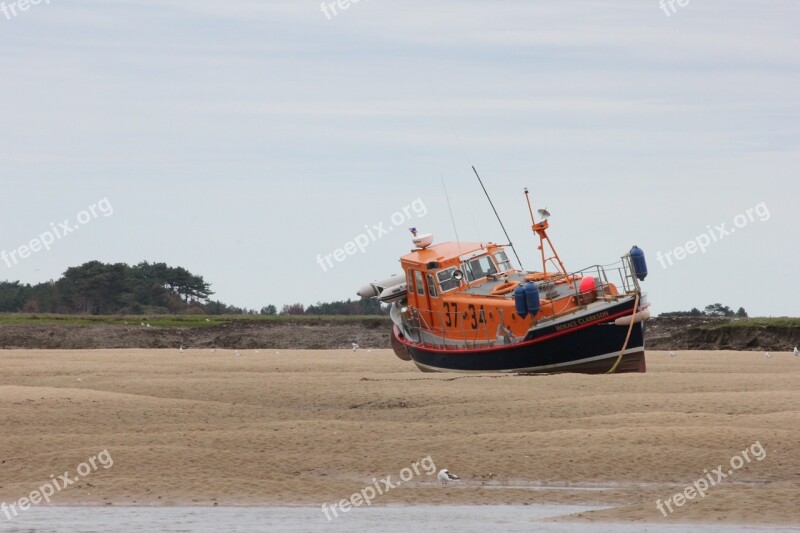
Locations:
{"points": [[532, 298], [639, 263], [520, 302]]}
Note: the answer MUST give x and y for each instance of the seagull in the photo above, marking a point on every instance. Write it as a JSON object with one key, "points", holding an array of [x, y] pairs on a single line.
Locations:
{"points": [[257, 351], [149, 326], [142, 323], [180, 349], [355, 346], [445, 476], [277, 352], [767, 355], [237, 353], [672, 354], [796, 352]]}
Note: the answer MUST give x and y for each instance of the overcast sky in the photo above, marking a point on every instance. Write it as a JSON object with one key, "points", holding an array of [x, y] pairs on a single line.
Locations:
{"points": [[243, 139]]}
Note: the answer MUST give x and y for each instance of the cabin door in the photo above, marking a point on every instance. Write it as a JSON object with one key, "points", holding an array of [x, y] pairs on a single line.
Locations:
{"points": [[423, 297]]}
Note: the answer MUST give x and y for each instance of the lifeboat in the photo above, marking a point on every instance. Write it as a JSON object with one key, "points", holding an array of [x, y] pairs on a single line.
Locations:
{"points": [[465, 307]]}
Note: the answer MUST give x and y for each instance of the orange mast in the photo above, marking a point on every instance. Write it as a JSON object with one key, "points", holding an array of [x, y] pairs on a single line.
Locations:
{"points": [[540, 228]]}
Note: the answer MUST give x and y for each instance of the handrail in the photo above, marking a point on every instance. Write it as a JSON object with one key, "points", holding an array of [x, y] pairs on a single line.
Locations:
{"points": [[427, 327]]}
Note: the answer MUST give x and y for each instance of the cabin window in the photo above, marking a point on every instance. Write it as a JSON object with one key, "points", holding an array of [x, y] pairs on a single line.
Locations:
{"points": [[432, 287], [420, 284], [479, 268], [502, 261], [446, 280], [409, 282]]}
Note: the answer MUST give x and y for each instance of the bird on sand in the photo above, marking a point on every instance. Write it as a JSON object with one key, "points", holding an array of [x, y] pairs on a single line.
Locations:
{"points": [[672, 354], [445, 476], [767, 355], [237, 353], [355, 346], [796, 352]]}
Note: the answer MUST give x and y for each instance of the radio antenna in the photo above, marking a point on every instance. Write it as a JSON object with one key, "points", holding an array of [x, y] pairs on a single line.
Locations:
{"points": [[498, 217], [453, 220]]}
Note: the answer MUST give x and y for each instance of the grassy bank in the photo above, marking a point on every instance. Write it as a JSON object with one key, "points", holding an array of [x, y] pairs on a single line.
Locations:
{"points": [[758, 322]]}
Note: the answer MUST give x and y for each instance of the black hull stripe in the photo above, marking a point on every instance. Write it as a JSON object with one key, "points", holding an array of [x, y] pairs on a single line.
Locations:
{"points": [[558, 367], [563, 350]]}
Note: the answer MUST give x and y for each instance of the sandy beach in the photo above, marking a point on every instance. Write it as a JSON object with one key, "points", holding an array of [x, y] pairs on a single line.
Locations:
{"points": [[308, 427]]}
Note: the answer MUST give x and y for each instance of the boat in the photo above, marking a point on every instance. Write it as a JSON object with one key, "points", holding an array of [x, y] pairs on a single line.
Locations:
{"points": [[464, 307]]}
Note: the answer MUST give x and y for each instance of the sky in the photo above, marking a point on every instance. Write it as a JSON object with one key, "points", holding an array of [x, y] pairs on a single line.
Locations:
{"points": [[248, 140]]}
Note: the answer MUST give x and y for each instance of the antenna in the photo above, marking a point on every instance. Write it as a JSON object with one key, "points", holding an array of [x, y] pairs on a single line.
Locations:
{"points": [[453, 220], [477, 229], [498, 217]]}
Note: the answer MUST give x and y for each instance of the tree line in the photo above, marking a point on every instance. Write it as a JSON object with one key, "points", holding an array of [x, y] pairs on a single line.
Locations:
{"points": [[365, 306], [98, 288], [713, 310]]}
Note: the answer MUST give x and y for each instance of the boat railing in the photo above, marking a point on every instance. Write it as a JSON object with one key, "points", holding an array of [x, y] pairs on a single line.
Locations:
{"points": [[629, 279], [619, 274], [622, 276]]}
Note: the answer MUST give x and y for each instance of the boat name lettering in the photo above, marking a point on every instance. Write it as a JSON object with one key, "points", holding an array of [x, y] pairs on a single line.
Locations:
{"points": [[581, 321]]}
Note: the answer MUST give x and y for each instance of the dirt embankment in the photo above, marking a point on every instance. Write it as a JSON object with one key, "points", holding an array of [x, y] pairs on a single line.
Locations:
{"points": [[661, 334], [706, 334], [242, 334]]}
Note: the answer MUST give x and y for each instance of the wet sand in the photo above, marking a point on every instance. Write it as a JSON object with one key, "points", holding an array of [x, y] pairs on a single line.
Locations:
{"points": [[385, 518], [308, 427]]}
